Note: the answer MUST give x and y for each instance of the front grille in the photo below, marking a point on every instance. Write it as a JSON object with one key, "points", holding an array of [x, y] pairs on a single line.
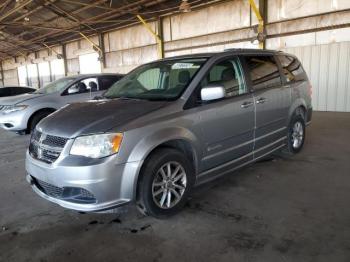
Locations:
{"points": [[3, 108], [46, 148], [49, 189], [70, 194]]}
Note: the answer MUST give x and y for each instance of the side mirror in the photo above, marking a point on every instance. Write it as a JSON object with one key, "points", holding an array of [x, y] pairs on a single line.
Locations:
{"points": [[210, 93], [73, 89]]}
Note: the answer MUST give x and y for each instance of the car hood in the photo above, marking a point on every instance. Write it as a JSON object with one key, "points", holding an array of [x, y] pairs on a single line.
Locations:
{"points": [[95, 116], [13, 100]]}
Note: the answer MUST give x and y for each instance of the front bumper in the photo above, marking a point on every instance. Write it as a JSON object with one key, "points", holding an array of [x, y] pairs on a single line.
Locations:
{"points": [[112, 185], [15, 121]]}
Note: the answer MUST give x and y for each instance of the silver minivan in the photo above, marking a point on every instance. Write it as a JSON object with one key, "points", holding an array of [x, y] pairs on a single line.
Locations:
{"points": [[21, 113], [168, 126]]}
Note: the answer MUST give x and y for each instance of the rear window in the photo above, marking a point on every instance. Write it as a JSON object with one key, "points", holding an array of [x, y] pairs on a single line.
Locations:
{"points": [[292, 68], [263, 71]]}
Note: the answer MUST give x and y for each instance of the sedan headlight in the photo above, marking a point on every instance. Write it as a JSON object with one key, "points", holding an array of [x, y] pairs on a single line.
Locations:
{"points": [[15, 108], [97, 146]]}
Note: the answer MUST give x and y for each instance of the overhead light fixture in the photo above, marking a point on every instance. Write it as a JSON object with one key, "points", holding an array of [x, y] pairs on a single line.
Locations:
{"points": [[185, 6]]}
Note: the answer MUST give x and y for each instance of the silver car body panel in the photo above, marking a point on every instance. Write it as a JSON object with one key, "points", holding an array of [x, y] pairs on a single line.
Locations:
{"points": [[219, 137]]}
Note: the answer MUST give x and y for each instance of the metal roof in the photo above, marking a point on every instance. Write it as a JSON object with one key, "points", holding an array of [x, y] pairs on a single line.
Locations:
{"points": [[27, 26]]}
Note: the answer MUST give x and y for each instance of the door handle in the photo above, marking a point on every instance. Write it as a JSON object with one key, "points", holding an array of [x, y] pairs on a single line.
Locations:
{"points": [[246, 104], [261, 100]]}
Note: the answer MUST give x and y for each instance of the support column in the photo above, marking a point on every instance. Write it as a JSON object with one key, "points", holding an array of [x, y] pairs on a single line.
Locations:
{"points": [[101, 43], [37, 69], [157, 37], [161, 36], [261, 29], [263, 9], [64, 54], [2, 74]]}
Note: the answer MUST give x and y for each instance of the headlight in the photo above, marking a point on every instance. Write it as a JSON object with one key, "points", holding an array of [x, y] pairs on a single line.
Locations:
{"points": [[15, 108], [97, 146]]}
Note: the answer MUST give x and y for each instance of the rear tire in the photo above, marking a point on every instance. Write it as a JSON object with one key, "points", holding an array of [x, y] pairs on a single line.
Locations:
{"points": [[167, 179], [36, 119], [296, 134]]}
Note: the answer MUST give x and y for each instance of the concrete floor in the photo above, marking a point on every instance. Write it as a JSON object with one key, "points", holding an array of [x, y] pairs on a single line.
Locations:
{"points": [[286, 209]]}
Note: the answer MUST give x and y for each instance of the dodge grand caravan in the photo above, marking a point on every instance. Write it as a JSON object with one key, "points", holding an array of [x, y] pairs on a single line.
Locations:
{"points": [[22, 113], [168, 126]]}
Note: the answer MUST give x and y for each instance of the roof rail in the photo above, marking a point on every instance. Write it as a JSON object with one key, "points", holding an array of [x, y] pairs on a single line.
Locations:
{"points": [[250, 49]]}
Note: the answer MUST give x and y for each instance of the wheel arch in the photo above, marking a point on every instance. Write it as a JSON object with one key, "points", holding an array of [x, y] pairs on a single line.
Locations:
{"points": [[176, 138], [45, 109], [298, 105]]}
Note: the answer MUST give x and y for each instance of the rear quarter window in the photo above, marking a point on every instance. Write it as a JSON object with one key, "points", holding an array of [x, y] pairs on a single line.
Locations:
{"points": [[263, 71], [292, 68]]}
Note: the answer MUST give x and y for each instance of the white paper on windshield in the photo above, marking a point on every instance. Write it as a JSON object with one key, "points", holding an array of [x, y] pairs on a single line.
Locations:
{"points": [[184, 66]]}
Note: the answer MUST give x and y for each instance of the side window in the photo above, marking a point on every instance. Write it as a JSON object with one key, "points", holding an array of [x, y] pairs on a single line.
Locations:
{"points": [[107, 81], [292, 68], [14, 91], [18, 90], [263, 71], [84, 86], [5, 91], [28, 90], [228, 74]]}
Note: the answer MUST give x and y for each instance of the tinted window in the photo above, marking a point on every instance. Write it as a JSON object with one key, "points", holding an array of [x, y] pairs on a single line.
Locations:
{"points": [[107, 81], [84, 86], [18, 90], [28, 90], [263, 71], [23, 90], [227, 73], [5, 91], [292, 68]]}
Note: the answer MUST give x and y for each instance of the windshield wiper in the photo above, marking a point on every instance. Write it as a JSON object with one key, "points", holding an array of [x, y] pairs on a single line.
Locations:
{"points": [[128, 98], [100, 98]]}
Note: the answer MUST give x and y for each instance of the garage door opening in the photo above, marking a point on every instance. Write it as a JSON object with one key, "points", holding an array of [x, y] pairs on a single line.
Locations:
{"points": [[89, 64]]}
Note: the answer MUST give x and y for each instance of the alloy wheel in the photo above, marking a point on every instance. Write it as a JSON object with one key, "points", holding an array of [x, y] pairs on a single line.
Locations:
{"points": [[169, 185], [297, 134]]}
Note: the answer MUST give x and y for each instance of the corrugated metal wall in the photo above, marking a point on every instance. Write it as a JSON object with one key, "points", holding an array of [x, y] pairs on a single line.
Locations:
{"points": [[328, 69]]}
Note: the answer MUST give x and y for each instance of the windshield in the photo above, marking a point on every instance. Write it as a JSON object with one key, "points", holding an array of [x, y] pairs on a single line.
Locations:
{"points": [[56, 86], [164, 80]]}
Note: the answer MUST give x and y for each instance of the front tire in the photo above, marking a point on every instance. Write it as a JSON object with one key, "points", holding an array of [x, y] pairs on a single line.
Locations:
{"points": [[166, 181], [36, 119]]}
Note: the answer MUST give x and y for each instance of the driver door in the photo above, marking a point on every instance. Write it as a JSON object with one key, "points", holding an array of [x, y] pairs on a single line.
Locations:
{"points": [[228, 124], [80, 91]]}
